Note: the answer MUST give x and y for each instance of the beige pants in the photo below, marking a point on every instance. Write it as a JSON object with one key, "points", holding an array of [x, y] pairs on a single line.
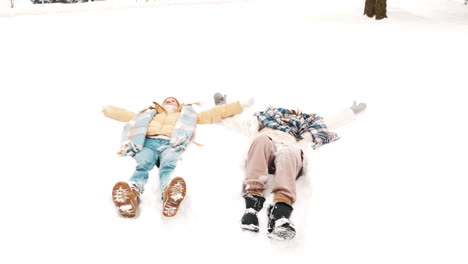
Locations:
{"points": [[266, 157]]}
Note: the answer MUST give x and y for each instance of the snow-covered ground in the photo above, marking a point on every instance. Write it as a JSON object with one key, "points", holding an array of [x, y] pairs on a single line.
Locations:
{"points": [[393, 189]]}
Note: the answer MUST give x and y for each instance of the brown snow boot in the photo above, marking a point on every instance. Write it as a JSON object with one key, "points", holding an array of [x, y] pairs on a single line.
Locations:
{"points": [[125, 196], [174, 194]]}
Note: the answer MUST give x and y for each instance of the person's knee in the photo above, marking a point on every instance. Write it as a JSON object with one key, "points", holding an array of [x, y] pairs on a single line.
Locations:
{"points": [[288, 155], [144, 161], [286, 152], [167, 165], [170, 161], [262, 140]]}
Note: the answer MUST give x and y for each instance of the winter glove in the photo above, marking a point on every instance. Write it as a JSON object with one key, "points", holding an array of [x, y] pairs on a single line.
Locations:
{"points": [[219, 99], [358, 108]]}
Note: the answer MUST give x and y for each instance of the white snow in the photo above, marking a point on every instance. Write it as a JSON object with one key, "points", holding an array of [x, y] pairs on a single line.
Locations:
{"points": [[127, 207], [176, 197], [282, 221], [393, 189], [250, 211]]}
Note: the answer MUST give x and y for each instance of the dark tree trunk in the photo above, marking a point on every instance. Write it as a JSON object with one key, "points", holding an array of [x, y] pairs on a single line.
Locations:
{"points": [[377, 8], [12, 3], [369, 8], [380, 9]]}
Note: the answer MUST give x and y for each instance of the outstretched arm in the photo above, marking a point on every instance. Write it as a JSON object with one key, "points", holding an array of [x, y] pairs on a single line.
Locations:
{"points": [[345, 116], [222, 110], [218, 113], [117, 113]]}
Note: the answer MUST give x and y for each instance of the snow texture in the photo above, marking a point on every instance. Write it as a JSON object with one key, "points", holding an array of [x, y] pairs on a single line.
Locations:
{"points": [[393, 189]]}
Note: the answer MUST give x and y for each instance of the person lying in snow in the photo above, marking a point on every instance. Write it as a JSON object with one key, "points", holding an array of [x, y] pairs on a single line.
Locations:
{"points": [[280, 137], [158, 137]]}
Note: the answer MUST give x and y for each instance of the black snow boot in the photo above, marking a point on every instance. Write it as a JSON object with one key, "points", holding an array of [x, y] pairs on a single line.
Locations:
{"points": [[253, 205], [279, 225]]}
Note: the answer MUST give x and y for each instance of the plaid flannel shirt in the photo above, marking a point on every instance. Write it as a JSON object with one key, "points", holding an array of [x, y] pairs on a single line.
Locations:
{"points": [[297, 124]]}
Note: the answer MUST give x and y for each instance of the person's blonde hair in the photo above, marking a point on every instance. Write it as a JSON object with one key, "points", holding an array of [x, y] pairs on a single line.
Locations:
{"points": [[178, 104]]}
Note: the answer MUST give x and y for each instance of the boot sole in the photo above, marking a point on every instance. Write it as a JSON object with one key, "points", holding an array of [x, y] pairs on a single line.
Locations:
{"points": [[282, 234], [125, 199], [252, 228], [175, 194]]}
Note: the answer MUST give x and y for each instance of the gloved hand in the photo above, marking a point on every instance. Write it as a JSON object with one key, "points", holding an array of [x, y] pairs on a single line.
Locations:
{"points": [[219, 99], [358, 108]]}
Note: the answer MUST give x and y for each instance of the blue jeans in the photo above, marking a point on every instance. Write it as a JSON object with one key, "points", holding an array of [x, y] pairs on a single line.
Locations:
{"points": [[156, 151]]}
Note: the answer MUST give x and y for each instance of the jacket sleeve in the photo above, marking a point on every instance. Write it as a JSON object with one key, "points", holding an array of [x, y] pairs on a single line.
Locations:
{"points": [[117, 113], [216, 114]]}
